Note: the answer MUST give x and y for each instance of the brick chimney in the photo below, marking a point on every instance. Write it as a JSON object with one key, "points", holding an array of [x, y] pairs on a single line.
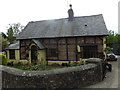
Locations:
{"points": [[70, 13]]}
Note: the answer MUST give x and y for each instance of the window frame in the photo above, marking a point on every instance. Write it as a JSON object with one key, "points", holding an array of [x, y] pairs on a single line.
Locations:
{"points": [[52, 52]]}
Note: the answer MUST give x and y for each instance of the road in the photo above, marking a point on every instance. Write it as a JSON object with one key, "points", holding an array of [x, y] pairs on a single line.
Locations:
{"points": [[0, 77], [111, 80], [119, 72]]}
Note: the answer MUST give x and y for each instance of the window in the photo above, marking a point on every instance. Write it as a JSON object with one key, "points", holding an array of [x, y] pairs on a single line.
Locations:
{"points": [[88, 51], [23, 53], [52, 52], [12, 54], [24, 47]]}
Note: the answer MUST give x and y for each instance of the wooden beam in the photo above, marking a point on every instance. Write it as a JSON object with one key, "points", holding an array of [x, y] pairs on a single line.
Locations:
{"points": [[84, 40], [57, 49], [49, 40], [94, 40], [66, 49], [76, 48], [101, 38]]}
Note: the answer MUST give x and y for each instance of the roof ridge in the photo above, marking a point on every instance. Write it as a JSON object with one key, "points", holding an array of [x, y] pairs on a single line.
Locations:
{"points": [[82, 26], [64, 18]]}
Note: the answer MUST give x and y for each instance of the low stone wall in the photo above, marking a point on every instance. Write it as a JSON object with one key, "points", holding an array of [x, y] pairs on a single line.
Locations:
{"points": [[69, 77]]}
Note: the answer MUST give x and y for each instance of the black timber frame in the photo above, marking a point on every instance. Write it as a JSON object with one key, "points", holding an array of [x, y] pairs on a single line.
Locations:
{"points": [[66, 43]]}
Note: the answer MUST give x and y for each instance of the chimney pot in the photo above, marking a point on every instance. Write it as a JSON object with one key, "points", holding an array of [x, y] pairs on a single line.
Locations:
{"points": [[70, 13]]}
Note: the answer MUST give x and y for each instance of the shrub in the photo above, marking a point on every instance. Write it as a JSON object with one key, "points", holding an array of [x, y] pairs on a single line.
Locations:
{"points": [[21, 67], [74, 64], [108, 49], [4, 59], [35, 67]]}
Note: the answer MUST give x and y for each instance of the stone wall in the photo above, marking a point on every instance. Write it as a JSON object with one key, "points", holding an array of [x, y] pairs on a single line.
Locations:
{"points": [[69, 77]]}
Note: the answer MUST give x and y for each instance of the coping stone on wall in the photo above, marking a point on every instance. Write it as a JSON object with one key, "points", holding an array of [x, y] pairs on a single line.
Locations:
{"points": [[94, 60], [64, 77], [19, 72]]}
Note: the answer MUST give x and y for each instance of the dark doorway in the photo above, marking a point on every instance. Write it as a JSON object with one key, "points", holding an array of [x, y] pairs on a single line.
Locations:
{"points": [[34, 54]]}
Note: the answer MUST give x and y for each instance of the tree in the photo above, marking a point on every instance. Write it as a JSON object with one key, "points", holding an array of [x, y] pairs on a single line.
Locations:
{"points": [[10, 34], [111, 38], [117, 36], [13, 31], [3, 43], [16, 28]]}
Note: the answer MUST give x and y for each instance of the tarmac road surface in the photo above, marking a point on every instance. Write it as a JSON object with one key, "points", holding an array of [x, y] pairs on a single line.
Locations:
{"points": [[111, 80], [0, 77]]}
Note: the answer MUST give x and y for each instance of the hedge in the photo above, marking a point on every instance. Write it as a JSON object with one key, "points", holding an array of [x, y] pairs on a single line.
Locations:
{"points": [[4, 59]]}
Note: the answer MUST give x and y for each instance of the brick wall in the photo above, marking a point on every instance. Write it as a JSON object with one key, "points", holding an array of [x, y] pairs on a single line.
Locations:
{"points": [[67, 49]]}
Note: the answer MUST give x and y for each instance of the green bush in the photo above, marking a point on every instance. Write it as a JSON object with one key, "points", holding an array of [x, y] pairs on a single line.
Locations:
{"points": [[74, 64], [21, 67], [108, 49], [4, 59], [24, 67]]}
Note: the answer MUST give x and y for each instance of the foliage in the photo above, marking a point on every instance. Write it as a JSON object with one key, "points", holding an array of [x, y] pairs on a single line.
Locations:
{"points": [[4, 59], [108, 49], [41, 67], [117, 36], [10, 35], [13, 31], [21, 67], [3, 42], [16, 27], [75, 64], [113, 38]]}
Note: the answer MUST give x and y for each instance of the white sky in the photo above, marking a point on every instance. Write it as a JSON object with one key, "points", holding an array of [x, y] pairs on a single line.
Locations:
{"points": [[24, 11]]}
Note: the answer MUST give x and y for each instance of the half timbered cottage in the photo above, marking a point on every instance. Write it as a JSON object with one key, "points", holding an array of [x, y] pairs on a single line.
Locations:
{"points": [[63, 40]]}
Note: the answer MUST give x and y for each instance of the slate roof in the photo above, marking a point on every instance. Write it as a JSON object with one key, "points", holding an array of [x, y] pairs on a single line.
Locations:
{"points": [[39, 44], [81, 26], [15, 45]]}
